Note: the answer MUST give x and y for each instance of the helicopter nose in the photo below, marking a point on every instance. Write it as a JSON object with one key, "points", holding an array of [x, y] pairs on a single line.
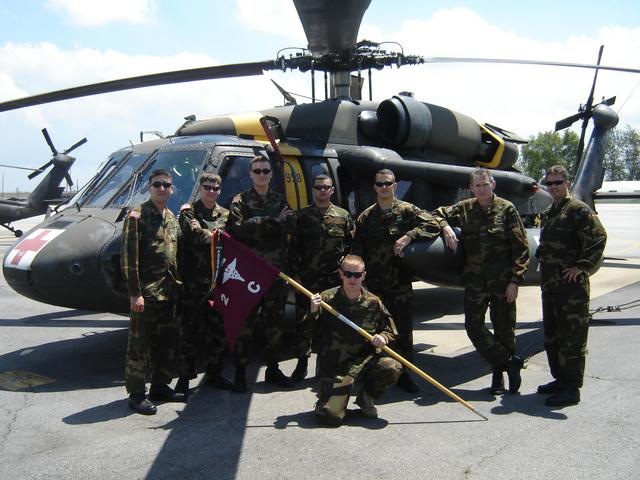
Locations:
{"points": [[63, 263]]}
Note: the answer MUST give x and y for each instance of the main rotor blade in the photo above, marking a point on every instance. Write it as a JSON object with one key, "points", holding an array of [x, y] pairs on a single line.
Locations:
{"points": [[528, 62], [164, 78], [331, 26], [20, 168]]}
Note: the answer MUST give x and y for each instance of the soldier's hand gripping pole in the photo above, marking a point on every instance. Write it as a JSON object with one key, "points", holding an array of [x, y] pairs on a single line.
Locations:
{"points": [[386, 349]]}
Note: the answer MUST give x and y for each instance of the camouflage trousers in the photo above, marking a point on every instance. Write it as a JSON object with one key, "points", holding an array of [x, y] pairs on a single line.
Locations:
{"points": [[374, 377], [204, 342], [306, 333], [399, 302], [272, 310], [495, 347], [152, 349], [565, 318]]}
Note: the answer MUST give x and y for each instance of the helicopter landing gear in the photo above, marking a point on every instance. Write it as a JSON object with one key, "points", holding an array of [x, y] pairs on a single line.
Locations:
{"points": [[17, 233]]}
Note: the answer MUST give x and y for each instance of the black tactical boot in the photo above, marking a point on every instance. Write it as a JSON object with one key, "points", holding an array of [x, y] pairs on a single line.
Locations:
{"points": [[513, 372], [551, 387], [497, 383], [300, 372], [565, 397], [182, 386], [406, 383], [217, 380], [274, 376], [164, 393], [139, 403], [239, 381]]}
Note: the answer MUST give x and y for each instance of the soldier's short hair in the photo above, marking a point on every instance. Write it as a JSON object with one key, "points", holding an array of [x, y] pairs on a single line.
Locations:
{"points": [[386, 171], [481, 172], [256, 159], [558, 170], [352, 259], [159, 171], [210, 177], [322, 176]]}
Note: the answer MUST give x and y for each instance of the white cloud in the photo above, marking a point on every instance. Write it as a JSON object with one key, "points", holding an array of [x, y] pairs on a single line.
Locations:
{"points": [[92, 13]]}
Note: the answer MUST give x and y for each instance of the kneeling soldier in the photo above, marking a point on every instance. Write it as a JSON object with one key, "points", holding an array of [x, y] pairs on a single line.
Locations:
{"points": [[347, 364]]}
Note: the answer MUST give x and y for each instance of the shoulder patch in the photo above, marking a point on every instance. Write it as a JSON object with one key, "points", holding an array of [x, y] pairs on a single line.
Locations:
{"points": [[186, 206], [134, 214]]}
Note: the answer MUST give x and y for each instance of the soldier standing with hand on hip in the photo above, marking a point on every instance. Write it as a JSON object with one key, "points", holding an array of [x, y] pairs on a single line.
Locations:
{"points": [[382, 233], [572, 243]]}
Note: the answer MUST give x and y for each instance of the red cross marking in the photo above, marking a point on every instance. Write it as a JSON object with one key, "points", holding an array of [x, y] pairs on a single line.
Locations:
{"points": [[30, 245]]}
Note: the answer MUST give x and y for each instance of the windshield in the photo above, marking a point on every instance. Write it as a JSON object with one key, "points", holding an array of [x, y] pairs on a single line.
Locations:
{"points": [[115, 181], [184, 166]]}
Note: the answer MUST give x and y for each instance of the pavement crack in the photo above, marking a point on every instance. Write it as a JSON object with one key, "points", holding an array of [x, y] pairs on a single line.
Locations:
{"points": [[11, 417]]}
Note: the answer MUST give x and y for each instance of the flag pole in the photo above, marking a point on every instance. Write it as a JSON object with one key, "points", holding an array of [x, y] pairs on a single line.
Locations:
{"points": [[386, 349]]}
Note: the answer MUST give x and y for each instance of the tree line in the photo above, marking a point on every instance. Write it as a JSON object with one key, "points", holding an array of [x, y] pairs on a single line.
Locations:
{"points": [[621, 159]]}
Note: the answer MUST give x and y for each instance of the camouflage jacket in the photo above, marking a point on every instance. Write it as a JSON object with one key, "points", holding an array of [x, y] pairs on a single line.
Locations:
{"points": [[269, 237], [149, 252], [376, 234], [342, 349], [322, 238], [571, 235], [195, 268], [494, 241]]}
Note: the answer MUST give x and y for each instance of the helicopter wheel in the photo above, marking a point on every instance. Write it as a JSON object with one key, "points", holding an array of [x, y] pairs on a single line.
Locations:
{"points": [[18, 233]]}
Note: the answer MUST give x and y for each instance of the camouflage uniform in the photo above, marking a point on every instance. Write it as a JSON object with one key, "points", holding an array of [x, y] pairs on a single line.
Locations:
{"points": [[203, 338], [496, 253], [268, 239], [148, 261], [347, 362], [571, 235], [376, 234], [323, 238]]}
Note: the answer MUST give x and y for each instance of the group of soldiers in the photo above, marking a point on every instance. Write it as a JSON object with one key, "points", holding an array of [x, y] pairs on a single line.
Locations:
{"points": [[355, 268]]}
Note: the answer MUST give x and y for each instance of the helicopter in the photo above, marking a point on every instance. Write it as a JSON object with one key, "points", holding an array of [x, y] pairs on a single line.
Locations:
{"points": [[72, 259], [47, 192]]}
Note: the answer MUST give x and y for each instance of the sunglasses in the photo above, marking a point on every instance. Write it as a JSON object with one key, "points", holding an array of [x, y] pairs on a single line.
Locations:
{"points": [[350, 274], [554, 182], [384, 184], [264, 171], [323, 187], [210, 188], [161, 184]]}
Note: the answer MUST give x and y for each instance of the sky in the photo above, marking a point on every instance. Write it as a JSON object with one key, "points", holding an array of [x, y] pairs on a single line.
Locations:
{"points": [[47, 45]]}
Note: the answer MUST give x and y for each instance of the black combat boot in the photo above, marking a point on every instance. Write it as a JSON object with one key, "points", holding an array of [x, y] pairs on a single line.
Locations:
{"points": [[139, 403], [300, 372], [182, 386], [215, 379], [406, 383], [239, 381], [565, 397], [513, 372], [164, 393], [497, 383], [274, 376], [551, 387]]}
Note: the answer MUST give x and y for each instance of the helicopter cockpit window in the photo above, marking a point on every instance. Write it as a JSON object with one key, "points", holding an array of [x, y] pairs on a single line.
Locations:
{"points": [[184, 166], [235, 174], [115, 181]]}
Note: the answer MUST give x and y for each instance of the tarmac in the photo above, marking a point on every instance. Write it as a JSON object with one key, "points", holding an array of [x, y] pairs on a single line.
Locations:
{"points": [[63, 411]]}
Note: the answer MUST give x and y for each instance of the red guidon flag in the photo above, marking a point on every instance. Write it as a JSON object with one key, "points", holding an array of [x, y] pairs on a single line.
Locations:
{"points": [[242, 278]]}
